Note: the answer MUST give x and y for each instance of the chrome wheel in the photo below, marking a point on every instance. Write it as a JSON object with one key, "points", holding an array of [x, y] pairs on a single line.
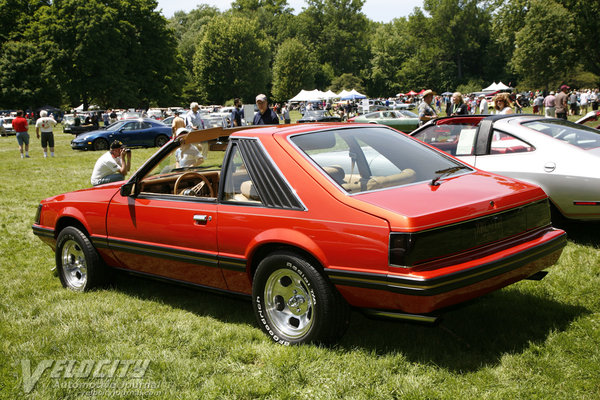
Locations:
{"points": [[74, 266], [288, 303]]}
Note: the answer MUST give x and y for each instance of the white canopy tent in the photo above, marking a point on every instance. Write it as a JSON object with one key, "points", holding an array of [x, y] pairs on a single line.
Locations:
{"points": [[330, 95], [308, 95], [351, 95], [495, 87]]}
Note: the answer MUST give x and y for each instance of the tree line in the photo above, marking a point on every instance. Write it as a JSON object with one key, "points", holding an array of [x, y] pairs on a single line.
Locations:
{"points": [[124, 53]]}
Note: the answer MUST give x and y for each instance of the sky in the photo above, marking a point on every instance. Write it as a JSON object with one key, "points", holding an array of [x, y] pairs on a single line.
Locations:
{"points": [[375, 10]]}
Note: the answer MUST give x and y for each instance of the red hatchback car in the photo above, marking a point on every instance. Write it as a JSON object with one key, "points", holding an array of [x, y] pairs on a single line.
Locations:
{"points": [[309, 220]]}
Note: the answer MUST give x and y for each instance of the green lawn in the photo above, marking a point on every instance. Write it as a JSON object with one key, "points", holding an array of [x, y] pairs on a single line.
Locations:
{"points": [[533, 340]]}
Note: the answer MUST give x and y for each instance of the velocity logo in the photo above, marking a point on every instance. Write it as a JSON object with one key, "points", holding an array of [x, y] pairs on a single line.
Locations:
{"points": [[67, 369]]}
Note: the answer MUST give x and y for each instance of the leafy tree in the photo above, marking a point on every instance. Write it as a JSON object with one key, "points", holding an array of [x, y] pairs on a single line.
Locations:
{"points": [[544, 54], [348, 82], [188, 30], [338, 32], [390, 46], [116, 52], [15, 15], [232, 60], [24, 79], [273, 16], [586, 19], [460, 30], [294, 69]]}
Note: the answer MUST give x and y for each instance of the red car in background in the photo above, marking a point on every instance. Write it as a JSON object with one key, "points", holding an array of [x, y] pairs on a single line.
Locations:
{"points": [[308, 220]]}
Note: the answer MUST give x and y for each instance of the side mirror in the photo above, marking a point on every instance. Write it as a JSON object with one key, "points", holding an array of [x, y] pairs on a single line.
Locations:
{"points": [[128, 189]]}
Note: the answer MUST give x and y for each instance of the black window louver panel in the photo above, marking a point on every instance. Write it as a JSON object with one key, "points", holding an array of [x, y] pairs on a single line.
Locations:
{"points": [[272, 188]]}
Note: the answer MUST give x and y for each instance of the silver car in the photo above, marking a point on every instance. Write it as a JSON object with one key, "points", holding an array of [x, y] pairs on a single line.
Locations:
{"points": [[561, 157]]}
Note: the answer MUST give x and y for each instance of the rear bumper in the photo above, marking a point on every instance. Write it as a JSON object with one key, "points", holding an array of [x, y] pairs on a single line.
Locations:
{"points": [[427, 291]]}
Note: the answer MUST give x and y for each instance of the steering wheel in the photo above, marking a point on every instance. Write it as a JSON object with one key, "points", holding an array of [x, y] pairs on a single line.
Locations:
{"points": [[196, 175]]}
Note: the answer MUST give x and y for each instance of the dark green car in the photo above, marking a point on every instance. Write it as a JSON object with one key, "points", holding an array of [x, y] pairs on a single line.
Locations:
{"points": [[403, 120]]}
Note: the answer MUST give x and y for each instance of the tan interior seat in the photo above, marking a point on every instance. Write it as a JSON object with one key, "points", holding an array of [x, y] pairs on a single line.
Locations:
{"points": [[248, 193], [336, 173], [379, 182]]}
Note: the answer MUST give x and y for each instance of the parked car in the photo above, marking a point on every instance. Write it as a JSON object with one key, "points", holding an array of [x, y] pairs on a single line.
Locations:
{"points": [[132, 132], [69, 126], [308, 220], [589, 117], [402, 120], [561, 157], [7, 125], [168, 120], [319, 116], [130, 115], [377, 105], [402, 106]]}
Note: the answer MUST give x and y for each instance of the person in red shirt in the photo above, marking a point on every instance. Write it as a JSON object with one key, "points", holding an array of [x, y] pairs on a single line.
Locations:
{"points": [[21, 126]]}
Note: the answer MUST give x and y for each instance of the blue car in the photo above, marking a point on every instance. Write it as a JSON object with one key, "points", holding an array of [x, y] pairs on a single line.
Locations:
{"points": [[132, 132]]}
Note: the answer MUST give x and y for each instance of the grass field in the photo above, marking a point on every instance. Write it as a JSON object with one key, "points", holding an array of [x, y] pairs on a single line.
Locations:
{"points": [[532, 340]]}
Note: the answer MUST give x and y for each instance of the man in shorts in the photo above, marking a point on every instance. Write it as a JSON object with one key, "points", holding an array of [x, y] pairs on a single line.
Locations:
{"points": [[21, 126], [45, 124]]}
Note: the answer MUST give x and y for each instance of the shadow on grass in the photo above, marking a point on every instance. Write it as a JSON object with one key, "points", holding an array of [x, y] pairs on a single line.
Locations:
{"points": [[224, 307], [583, 233], [472, 336]]}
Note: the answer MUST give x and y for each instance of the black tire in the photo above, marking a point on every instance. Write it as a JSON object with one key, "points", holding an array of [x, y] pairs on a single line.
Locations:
{"points": [[100, 144], [295, 304], [78, 264], [160, 140]]}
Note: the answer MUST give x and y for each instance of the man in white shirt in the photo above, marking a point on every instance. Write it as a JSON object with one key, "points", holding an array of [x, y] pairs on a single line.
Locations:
{"points": [[193, 119], [483, 105], [44, 125], [113, 165]]}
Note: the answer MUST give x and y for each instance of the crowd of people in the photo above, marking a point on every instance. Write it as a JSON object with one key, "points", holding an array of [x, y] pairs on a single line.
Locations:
{"points": [[116, 163]]}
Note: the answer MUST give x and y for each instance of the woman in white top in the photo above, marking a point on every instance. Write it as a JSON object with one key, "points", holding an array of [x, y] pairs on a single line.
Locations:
{"points": [[188, 155], [502, 104]]}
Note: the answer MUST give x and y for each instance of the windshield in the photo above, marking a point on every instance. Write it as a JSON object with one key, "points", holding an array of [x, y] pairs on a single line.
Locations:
{"points": [[578, 135], [364, 159]]}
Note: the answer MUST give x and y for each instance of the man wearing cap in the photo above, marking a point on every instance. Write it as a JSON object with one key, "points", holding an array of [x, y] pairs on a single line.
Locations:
{"points": [[426, 113], [264, 116], [561, 102], [113, 165]]}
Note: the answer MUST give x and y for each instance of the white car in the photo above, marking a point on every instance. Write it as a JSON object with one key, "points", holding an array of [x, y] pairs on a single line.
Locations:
{"points": [[7, 128], [560, 156]]}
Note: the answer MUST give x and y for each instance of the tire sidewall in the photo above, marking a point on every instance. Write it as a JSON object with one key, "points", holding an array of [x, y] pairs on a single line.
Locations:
{"points": [[307, 274], [96, 144], [160, 139], [91, 258]]}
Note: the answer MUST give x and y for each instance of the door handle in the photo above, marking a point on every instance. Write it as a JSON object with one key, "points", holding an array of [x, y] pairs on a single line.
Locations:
{"points": [[202, 219]]}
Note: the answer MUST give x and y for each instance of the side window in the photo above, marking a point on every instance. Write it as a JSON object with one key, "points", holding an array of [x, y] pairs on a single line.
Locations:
{"points": [[503, 143], [130, 126], [239, 186], [145, 125], [458, 140]]}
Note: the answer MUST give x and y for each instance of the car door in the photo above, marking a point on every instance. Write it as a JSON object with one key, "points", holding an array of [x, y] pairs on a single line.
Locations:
{"points": [[165, 234], [131, 134], [170, 238]]}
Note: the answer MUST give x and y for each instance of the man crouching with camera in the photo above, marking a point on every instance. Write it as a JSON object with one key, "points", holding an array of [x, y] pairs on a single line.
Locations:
{"points": [[113, 165]]}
